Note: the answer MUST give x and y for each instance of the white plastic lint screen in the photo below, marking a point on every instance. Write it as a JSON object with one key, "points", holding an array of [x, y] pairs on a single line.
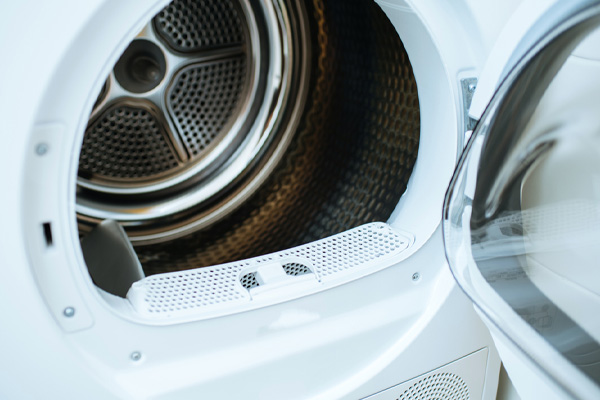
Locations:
{"points": [[260, 281]]}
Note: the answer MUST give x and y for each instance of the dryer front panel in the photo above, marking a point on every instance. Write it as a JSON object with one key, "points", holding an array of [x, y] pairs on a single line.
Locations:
{"points": [[223, 191]]}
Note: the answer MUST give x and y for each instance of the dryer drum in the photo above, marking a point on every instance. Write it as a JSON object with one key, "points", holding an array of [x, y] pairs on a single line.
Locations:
{"points": [[228, 130]]}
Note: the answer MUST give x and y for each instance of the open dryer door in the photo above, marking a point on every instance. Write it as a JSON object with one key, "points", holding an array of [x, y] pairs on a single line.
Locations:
{"points": [[522, 213]]}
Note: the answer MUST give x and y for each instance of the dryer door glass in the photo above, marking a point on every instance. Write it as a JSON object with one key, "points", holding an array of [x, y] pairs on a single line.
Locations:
{"points": [[522, 214]]}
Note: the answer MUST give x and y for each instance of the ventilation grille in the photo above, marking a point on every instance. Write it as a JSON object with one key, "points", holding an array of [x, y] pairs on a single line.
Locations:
{"points": [[296, 269], [462, 379], [347, 250], [192, 294], [249, 280], [445, 386], [349, 160], [203, 98], [195, 25], [125, 143]]}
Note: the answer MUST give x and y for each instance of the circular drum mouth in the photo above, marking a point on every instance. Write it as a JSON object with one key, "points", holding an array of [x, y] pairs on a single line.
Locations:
{"points": [[275, 124]]}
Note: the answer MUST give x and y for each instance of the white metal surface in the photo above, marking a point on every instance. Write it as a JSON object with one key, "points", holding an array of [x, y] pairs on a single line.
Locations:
{"points": [[525, 376]]}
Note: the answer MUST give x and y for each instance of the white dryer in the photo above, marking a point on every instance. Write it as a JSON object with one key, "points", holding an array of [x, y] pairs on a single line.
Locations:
{"points": [[227, 198]]}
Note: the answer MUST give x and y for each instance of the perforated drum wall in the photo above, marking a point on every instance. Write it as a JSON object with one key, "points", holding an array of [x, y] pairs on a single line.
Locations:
{"points": [[126, 143], [219, 20], [200, 97], [203, 98], [350, 160]]}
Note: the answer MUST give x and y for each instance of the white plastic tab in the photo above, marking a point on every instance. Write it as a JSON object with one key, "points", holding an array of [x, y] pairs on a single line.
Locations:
{"points": [[271, 273]]}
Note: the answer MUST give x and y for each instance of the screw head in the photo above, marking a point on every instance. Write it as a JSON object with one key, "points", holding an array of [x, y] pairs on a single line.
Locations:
{"points": [[416, 276], [69, 312], [472, 87], [41, 149], [136, 356]]}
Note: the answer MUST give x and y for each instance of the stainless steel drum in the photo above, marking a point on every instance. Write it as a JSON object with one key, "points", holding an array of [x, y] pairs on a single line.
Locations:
{"points": [[230, 129]]}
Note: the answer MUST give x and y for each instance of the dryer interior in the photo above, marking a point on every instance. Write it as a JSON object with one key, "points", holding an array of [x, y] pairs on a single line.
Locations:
{"points": [[318, 135], [330, 98]]}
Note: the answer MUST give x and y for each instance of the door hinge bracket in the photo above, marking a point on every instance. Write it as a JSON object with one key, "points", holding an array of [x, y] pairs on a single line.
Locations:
{"points": [[468, 86]]}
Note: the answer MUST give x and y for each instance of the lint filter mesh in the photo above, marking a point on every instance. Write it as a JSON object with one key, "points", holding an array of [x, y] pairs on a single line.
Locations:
{"points": [[223, 288]]}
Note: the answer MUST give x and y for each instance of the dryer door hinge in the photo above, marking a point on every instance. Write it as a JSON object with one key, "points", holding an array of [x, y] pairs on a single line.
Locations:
{"points": [[468, 86]]}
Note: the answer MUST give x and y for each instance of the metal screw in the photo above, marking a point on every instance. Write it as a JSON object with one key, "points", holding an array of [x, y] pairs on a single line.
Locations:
{"points": [[416, 276], [472, 87], [41, 149], [69, 312], [136, 356]]}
